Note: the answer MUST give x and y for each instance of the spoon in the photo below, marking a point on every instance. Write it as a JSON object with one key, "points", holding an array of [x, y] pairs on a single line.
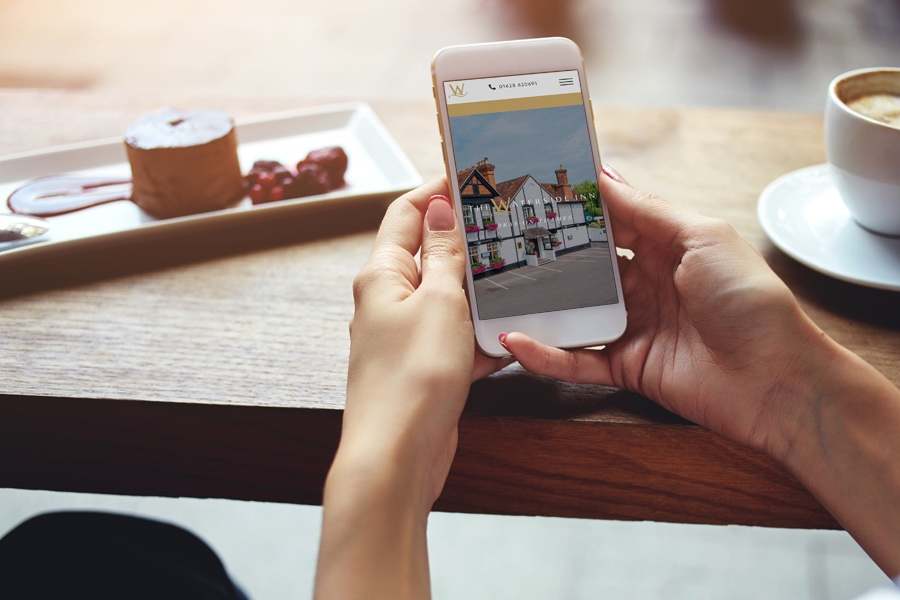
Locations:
{"points": [[19, 228]]}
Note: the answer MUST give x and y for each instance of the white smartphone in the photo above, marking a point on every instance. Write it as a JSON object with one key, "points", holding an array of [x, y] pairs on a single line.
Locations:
{"points": [[521, 153]]}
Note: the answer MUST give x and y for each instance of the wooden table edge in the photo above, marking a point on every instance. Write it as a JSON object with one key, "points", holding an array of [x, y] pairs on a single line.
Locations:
{"points": [[514, 466]]}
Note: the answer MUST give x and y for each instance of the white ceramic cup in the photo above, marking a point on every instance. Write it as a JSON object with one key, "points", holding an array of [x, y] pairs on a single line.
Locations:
{"points": [[864, 151]]}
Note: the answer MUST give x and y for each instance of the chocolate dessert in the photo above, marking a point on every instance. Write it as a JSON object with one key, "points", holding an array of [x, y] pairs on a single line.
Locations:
{"points": [[183, 162]]}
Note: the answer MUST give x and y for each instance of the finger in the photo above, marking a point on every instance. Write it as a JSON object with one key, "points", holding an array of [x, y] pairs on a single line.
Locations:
{"points": [[577, 366], [443, 248], [485, 365], [402, 223], [392, 260], [636, 214]]}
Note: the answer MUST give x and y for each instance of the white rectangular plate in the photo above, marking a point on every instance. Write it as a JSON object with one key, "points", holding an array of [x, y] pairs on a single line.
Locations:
{"points": [[377, 168]]}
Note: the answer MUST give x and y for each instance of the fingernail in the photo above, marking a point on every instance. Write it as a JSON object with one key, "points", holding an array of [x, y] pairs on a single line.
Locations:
{"points": [[612, 173], [502, 339], [439, 215]]}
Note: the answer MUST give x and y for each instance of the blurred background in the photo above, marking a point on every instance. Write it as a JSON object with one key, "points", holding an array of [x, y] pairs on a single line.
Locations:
{"points": [[766, 55], [777, 54]]}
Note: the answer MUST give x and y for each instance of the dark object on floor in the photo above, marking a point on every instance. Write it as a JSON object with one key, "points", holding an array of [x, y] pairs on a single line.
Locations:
{"points": [[104, 556]]}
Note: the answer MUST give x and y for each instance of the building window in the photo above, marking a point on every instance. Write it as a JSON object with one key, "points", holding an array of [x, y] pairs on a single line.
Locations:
{"points": [[468, 215], [487, 215], [493, 249], [473, 255]]}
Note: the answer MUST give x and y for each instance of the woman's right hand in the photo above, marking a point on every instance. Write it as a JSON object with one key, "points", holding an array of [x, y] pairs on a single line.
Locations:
{"points": [[713, 334], [716, 337]]}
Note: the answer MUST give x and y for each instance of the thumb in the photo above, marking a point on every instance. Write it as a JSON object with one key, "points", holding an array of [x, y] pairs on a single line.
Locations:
{"points": [[636, 214], [443, 248]]}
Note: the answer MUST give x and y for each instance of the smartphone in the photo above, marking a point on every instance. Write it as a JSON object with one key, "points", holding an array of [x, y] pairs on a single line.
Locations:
{"points": [[518, 137]]}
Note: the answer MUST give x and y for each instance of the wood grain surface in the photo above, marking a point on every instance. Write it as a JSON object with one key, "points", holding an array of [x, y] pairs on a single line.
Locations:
{"points": [[216, 366]]}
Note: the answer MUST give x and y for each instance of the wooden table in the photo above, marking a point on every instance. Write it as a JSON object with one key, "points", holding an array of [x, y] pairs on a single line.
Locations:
{"points": [[216, 367]]}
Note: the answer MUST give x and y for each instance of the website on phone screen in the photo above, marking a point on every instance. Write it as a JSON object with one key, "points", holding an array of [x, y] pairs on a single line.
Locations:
{"points": [[534, 223]]}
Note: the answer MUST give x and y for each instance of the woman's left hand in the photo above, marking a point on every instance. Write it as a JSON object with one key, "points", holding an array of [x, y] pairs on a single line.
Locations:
{"points": [[412, 350], [412, 359]]}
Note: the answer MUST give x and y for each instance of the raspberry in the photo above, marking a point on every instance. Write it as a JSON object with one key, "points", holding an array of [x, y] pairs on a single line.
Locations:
{"points": [[321, 171], [266, 179], [258, 194], [333, 160], [311, 179], [276, 193], [269, 167]]}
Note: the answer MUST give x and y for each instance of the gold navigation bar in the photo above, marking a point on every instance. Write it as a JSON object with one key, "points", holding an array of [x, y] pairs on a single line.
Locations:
{"points": [[497, 106]]}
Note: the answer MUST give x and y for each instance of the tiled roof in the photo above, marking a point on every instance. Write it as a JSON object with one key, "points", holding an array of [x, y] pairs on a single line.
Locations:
{"points": [[463, 175], [510, 188]]}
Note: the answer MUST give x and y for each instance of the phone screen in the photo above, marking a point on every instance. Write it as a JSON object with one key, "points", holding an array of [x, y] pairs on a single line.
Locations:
{"points": [[527, 180]]}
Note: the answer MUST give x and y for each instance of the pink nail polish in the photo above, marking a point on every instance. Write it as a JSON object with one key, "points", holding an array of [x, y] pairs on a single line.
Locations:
{"points": [[439, 215], [612, 173], [502, 339], [439, 197]]}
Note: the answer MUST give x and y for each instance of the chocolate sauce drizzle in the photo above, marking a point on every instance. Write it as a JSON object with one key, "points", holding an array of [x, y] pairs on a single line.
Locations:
{"points": [[59, 195]]}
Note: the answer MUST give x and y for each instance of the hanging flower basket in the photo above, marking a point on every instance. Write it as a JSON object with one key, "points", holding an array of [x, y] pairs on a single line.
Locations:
{"points": [[497, 263], [551, 215], [490, 226], [472, 228], [532, 220], [478, 268]]}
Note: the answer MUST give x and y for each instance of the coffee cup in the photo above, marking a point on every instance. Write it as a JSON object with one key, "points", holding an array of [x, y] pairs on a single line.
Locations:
{"points": [[862, 142]]}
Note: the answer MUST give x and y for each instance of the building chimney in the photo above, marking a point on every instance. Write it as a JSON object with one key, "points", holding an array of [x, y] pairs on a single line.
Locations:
{"points": [[486, 169], [562, 183]]}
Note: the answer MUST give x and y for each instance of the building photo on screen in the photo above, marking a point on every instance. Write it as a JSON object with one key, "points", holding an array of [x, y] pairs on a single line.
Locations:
{"points": [[531, 211]]}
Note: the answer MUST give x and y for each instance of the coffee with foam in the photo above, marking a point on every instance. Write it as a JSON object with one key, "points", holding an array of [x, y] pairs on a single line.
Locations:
{"points": [[862, 142], [881, 107]]}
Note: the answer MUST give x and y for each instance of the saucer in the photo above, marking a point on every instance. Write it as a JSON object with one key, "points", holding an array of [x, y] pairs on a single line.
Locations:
{"points": [[804, 216]]}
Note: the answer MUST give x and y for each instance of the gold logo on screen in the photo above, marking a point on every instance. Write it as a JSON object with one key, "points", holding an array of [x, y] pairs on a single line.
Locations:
{"points": [[501, 205], [457, 91]]}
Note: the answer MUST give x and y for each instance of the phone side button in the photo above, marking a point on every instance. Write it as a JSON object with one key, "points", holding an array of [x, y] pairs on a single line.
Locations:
{"points": [[441, 135]]}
